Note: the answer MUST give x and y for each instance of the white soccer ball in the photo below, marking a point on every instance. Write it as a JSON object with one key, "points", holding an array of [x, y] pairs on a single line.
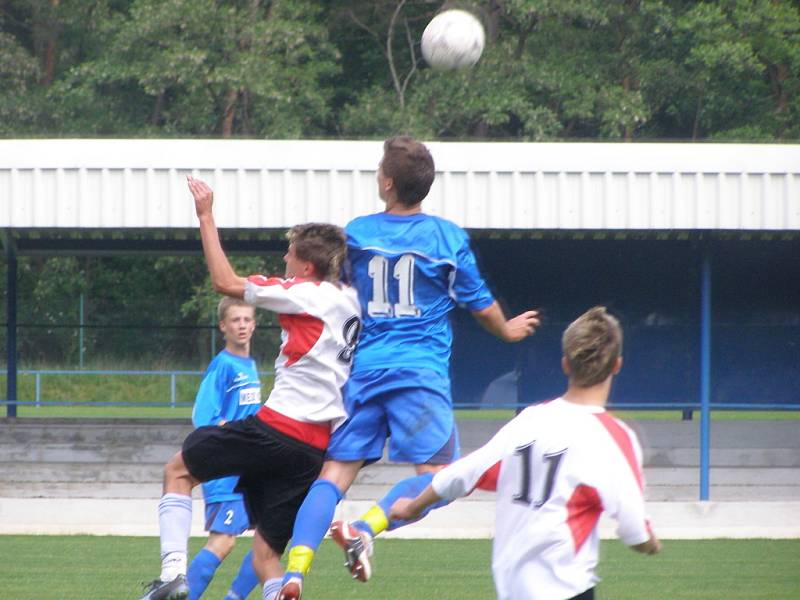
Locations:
{"points": [[453, 40]]}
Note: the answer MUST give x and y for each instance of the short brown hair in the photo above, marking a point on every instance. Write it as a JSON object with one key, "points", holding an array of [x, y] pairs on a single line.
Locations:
{"points": [[226, 303], [323, 245], [591, 344], [410, 166]]}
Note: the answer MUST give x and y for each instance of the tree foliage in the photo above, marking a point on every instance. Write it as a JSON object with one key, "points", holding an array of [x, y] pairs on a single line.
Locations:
{"points": [[566, 69]]}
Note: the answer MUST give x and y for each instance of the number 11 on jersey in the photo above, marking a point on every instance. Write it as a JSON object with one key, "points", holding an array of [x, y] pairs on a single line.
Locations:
{"points": [[403, 273]]}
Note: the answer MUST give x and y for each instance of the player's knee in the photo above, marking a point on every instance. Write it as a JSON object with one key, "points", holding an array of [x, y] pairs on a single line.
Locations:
{"points": [[177, 474], [175, 466], [341, 474]]}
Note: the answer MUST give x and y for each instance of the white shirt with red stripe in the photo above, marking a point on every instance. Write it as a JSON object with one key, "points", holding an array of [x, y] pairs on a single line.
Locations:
{"points": [[320, 322], [561, 465]]}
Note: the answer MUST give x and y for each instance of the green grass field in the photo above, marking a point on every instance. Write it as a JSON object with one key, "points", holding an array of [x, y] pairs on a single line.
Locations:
{"points": [[109, 568]]}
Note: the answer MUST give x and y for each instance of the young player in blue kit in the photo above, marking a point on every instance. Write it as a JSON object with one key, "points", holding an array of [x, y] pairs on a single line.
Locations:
{"points": [[230, 390], [410, 270]]}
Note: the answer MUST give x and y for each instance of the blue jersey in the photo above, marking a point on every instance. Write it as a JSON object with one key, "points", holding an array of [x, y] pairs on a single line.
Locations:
{"points": [[410, 272], [230, 390]]}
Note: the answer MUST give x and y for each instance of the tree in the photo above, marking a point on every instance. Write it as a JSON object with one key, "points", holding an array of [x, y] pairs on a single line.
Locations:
{"points": [[203, 67], [552, 69], [18, 75]]}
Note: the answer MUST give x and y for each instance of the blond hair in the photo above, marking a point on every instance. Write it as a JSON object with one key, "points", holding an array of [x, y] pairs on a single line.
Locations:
{"points": [[226, 303], [591, 345]]}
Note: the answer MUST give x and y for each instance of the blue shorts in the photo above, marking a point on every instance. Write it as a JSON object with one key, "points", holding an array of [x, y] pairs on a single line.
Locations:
{"points": [[227, 517], [410, 407]]}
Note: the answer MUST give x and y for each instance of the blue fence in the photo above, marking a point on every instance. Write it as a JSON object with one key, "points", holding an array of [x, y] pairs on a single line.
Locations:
{"points": [[171, 401], [503, 392]]}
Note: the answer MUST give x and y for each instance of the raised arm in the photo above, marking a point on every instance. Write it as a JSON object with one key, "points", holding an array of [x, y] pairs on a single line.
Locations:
{"points": [[223, 277], [511, 330]]}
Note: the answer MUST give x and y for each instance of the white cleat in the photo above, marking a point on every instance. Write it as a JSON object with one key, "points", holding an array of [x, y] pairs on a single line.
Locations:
{"points": [[357, 546]]}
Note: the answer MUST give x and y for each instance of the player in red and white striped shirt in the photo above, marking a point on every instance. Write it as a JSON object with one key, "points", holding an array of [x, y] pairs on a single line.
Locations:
{"points": [[561, 465], [278, 452]]}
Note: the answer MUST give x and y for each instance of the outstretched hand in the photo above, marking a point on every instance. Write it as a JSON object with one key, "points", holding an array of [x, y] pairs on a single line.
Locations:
{"points": [[651, 546], [402, 510], [203, 195], [521, 326]]}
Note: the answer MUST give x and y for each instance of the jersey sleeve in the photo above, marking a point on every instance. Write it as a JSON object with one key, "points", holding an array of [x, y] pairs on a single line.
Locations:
{"points": [[208, 401], [468, 287], [623, 499], [461, 477], [285, 296]]}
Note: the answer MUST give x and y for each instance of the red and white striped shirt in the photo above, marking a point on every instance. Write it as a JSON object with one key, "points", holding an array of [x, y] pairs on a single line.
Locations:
{"points": [[561, 466], [320, 322]]}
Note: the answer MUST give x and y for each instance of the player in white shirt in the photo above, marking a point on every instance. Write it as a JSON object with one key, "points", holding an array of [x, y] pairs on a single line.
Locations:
{"points": [[559, 466], [277, 452]]}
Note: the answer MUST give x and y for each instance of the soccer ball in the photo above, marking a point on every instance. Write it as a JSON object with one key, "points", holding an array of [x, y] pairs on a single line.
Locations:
{"points": [[453, 40]]}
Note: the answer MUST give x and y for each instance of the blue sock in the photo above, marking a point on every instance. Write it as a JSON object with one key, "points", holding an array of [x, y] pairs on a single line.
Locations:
{"points": [[316, 513], [407, 488], [200, 572], [245, 580]]}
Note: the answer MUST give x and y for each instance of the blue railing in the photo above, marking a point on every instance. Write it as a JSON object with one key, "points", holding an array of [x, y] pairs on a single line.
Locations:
{"points": [[38, 374], [172, 401]]}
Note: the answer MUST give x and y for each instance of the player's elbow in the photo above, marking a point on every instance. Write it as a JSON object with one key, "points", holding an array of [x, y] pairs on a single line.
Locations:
{"points": [[231, 288], [221, 287]]}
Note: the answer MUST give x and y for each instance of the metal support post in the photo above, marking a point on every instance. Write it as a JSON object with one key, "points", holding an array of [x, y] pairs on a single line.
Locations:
{"points": [[11, 324], [705, 372]]}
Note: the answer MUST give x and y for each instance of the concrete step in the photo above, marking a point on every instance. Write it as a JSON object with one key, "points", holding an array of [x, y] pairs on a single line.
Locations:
{"points": [[48, 465], [723, 457], [110, 472], [80, 452], [724, 493], [369, 493], [83, 473], [72, 458], [654, 435], [723, 476], [160, 452], [95, 431], [71, 489], [144, 481]]}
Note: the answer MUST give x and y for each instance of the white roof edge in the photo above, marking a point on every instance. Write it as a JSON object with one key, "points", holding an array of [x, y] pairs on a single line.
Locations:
{"points": [[185, 154]]}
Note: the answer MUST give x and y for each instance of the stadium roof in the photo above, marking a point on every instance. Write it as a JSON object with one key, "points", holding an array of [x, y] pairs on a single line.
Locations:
{"points": [[113, 195]]}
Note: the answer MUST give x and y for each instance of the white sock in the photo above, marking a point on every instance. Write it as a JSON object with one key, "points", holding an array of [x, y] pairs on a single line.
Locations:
{"points": [[175, 525], [271, 588]]}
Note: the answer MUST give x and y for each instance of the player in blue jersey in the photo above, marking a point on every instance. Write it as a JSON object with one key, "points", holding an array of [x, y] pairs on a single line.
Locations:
{"points": [[230, 390], [410, 270]]}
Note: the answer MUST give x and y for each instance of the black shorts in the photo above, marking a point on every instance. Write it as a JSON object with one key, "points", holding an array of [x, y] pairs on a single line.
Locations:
{"points": [[587, 595], [275, 471]]}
